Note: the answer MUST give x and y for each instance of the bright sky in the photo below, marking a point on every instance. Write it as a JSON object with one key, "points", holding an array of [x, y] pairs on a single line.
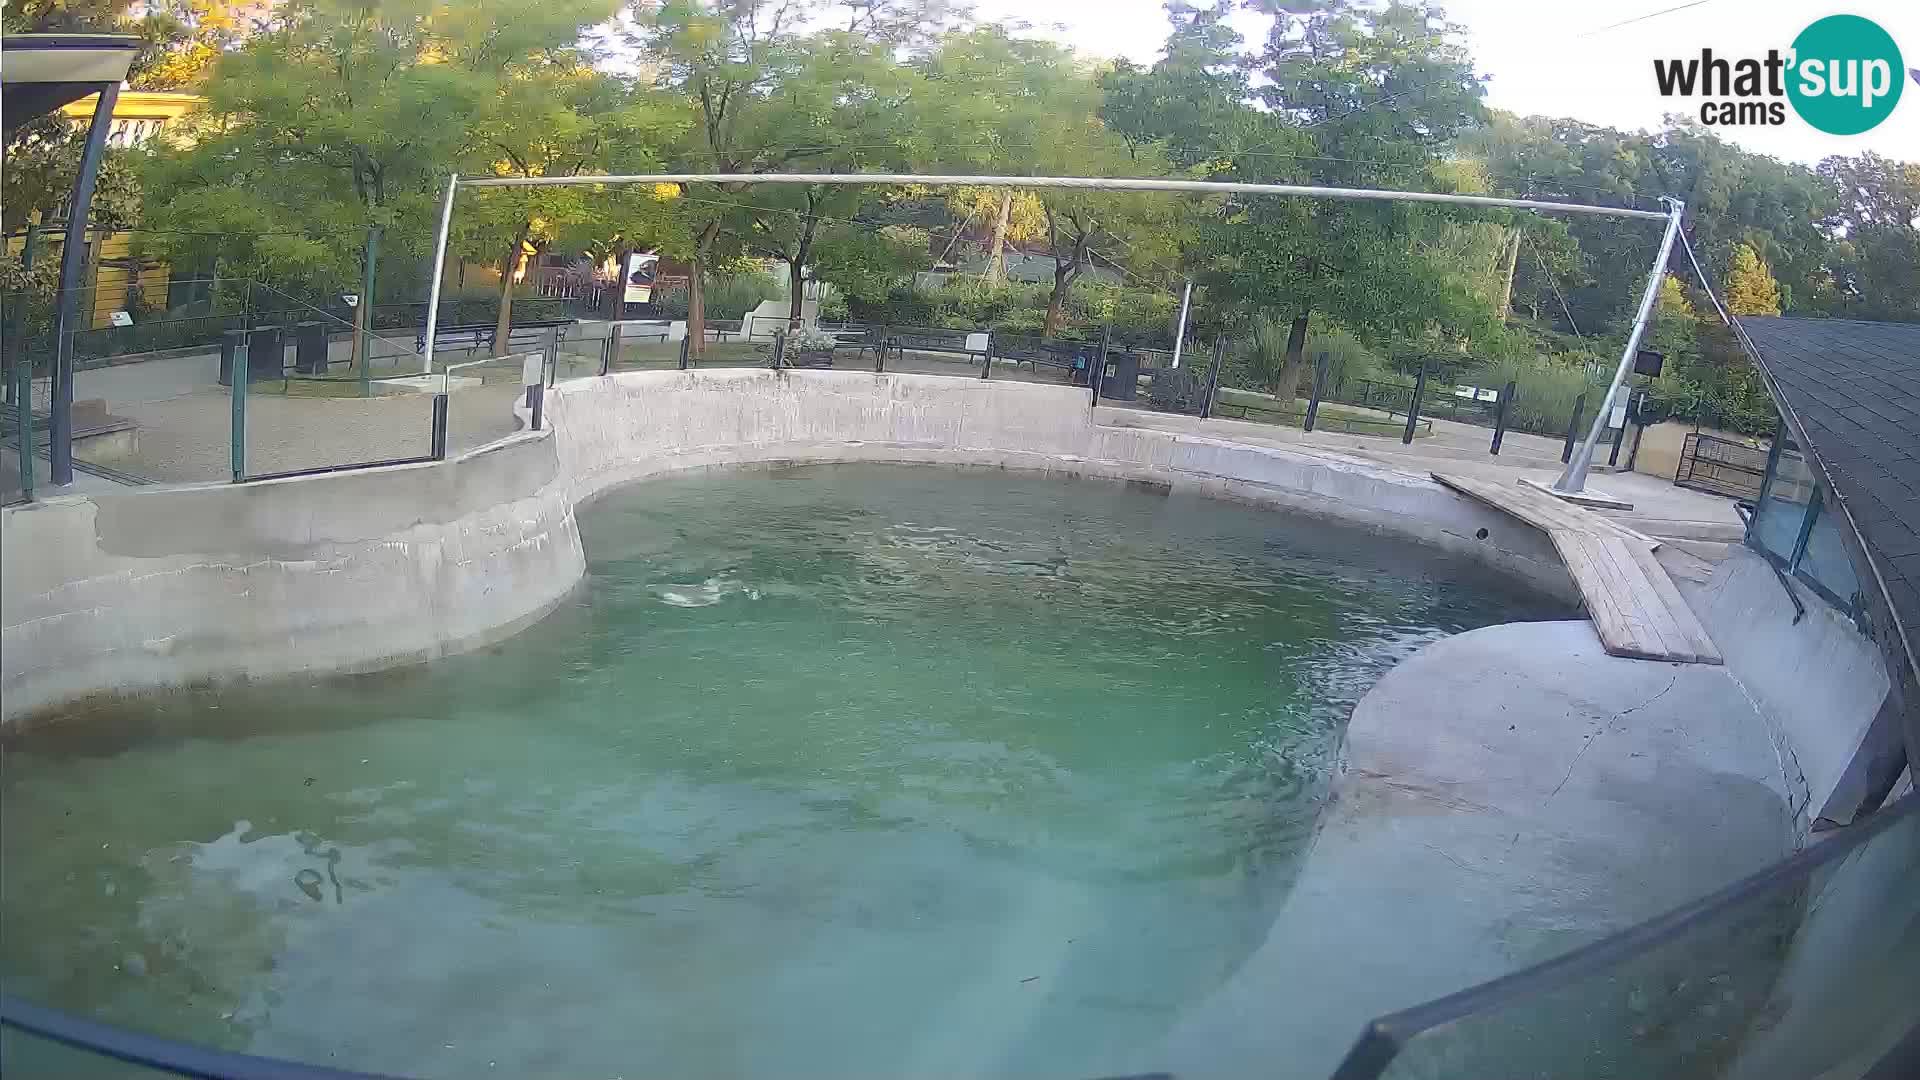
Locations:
{"points": [[1553, 57]]}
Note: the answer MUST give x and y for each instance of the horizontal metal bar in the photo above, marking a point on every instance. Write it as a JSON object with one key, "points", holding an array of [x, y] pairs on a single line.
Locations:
{"points": [[322, 470], [1101, 183]]}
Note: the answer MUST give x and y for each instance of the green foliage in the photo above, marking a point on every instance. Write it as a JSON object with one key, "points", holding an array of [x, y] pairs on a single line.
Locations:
{"points": [[1750, 289], [870, 263], [728, 297], [43, 159]]}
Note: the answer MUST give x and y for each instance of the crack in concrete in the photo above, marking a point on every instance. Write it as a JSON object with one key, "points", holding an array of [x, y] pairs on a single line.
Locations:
{"points": [[1601, 729]]}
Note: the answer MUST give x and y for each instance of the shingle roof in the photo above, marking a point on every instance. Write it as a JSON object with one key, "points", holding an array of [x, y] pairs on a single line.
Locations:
{"points": [[1855, 387]]}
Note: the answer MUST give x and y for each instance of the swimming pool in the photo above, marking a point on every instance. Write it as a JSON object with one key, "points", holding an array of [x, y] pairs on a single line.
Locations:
{"points": [[828, 770]]}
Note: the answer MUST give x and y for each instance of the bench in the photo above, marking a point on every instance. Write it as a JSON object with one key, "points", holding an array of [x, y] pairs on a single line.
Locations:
{"points": [[722, 329], [1073, 357], [475, 335], [902, 340]]}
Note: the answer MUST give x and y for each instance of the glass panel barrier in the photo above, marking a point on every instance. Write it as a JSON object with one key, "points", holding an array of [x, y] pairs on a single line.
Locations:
{"points": [[1810, 968], [1825, 562], [1778, 518]]}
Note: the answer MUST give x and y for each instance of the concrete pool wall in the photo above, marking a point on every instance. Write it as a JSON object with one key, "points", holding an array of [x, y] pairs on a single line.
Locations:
{"points": [[363, 569]]}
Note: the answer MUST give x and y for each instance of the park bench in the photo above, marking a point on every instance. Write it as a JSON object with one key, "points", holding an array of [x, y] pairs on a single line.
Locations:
{"points": [[476, 335], [722, 329], [900, 340], [1073, 357]]}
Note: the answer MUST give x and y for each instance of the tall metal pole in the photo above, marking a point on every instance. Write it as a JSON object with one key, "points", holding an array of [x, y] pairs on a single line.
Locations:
{"points": [[365, 310], [1575, 476], [439, 265], [1180, 333], [72, 260]]}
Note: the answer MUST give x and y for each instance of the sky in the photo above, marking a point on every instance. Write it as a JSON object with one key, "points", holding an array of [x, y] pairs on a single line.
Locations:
{"points": [[1562, 58]]}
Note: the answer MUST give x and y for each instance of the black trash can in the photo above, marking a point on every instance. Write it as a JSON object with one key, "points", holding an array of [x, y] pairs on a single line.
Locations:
{"points": [[1121, 380], [230, 342], [266, 354], [310, 348]]}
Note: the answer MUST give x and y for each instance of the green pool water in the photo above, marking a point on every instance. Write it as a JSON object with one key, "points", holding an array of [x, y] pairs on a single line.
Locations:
{"points": [[825, 771]]}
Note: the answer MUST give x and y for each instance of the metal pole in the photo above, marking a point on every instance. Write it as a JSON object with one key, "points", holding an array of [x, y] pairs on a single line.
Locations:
{"points": [[1319, 387], [242, 375], [1639, 428], [23, 422], [1413, 406], [439, 430], [17, 339], [1575, 476], [1573, 426], [439, 264], [366, 311], [1180, 332], [1213, 376], [1085, 183], [1500, 417], [1100, 367], [72, 260]]}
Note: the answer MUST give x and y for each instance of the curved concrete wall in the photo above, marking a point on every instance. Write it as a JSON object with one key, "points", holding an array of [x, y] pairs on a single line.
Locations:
{"points": [[375, 567]]}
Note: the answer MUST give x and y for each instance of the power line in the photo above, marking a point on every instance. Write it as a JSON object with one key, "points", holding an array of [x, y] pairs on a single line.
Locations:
{"points": [[1642, 18]]}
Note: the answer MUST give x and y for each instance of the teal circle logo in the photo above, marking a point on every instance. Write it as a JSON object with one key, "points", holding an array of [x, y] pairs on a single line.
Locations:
{"points": [[1847, 75]]}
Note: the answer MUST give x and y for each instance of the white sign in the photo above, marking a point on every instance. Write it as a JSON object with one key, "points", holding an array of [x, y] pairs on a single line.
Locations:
{"points": [[641, 267], [1618, 419], [352, 298], [122, 318]]}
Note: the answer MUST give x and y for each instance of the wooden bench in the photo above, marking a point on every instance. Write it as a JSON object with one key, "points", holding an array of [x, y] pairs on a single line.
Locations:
{"points": [[971, 344]]}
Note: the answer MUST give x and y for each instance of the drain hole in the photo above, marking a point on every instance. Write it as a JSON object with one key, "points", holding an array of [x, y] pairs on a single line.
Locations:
{"points": [[1481, 535]]}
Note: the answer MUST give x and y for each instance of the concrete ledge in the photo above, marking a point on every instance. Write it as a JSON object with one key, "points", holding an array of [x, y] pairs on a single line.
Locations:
{"points": [[1510, 793], [157, 587]]}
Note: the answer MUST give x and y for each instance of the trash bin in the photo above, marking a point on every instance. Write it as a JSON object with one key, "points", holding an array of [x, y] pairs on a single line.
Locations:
{"points": [[1121, 380], [266, 354], [310, 348], [230, 342]]}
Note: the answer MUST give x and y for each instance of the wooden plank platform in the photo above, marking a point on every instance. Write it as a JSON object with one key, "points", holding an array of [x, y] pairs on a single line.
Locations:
{"points": [[1634, 605]]}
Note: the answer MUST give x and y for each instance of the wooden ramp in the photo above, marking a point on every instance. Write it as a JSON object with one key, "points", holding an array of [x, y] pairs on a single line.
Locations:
{"points": [[1633, 602]]}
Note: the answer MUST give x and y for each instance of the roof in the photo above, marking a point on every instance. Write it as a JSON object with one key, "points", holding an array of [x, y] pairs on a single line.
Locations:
{"points": [[1854, 388], [42, 72]]}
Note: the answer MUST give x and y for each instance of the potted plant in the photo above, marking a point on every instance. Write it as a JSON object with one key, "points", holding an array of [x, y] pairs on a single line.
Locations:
{"points": [[809, 346]]}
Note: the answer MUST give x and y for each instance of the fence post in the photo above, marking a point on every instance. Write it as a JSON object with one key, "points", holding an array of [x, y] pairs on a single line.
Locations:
{"points": [[1620, 433], [1099, 370], [779, 348], [242, 375], [440, 427], [686, 350], [1573, 428], [539, 395], [1413, 406], [986, 362], [1500, 416], [365, 321], [1639, 428], [1313, 395], [1213, 376], [21, 387]]}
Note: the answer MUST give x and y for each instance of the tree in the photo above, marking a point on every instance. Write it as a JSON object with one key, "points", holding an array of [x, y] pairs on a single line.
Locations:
{"points": [[1377, 95], [1750, 289], [551, 114], [1875, 222]]}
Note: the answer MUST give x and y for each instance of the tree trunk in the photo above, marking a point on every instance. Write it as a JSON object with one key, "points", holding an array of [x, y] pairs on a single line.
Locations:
{"points": [[509, 266], [1513, 264], [996, 261], [1287, 386], [796, 293], [697, 291], [1062, 278]]}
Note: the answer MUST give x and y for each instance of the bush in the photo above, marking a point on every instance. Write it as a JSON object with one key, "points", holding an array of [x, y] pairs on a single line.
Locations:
{"points": [[727, 297]]}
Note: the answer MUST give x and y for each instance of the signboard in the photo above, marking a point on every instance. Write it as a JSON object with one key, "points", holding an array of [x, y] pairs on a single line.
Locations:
{"points": [[122, 318], [352, 299], [639, 277], [1618, 417]]}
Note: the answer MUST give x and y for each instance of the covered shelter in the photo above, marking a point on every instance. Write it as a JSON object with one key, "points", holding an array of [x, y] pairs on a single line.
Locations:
{"points": [[1838, 513], [40, 73]]}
